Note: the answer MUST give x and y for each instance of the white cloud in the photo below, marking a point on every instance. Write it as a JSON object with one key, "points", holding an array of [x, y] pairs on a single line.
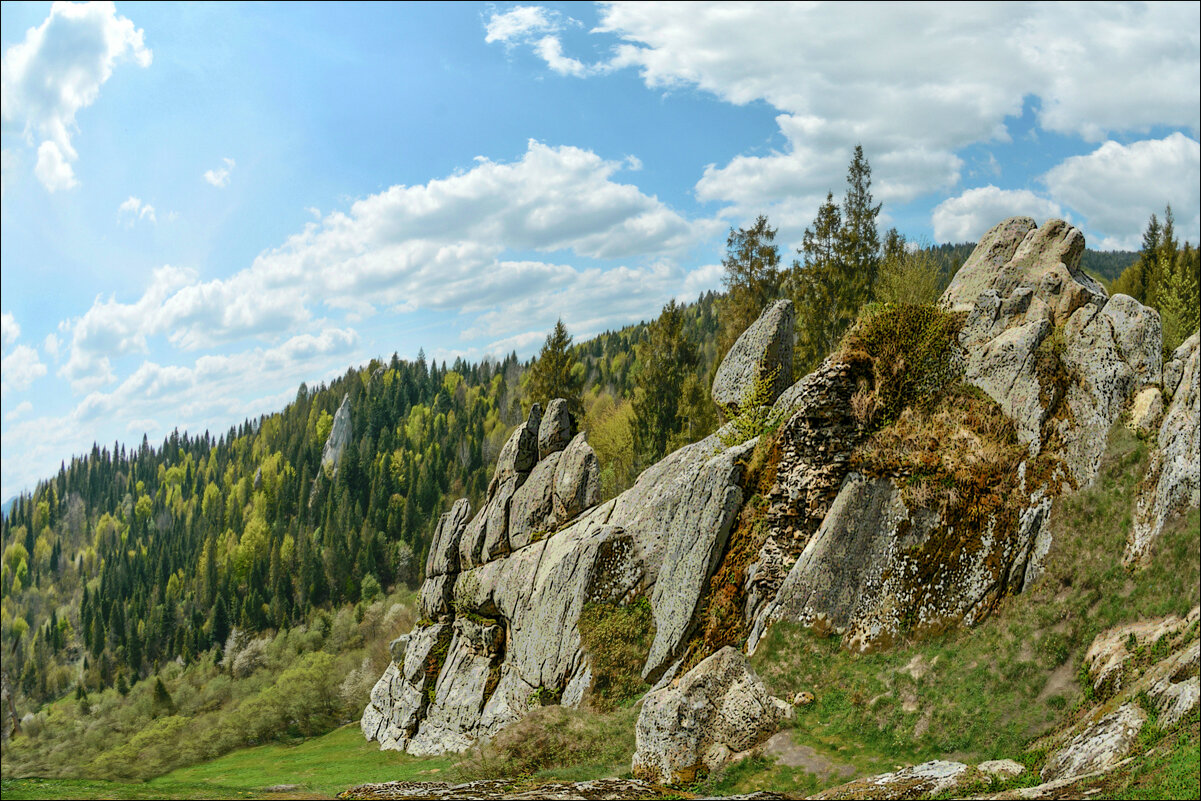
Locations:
{"points": [[1117, 188], [435, 246], [913, 84], [22, 408], [53, 169], [57, 70], [220, 176], [51, 344], [537, 28], [133, 210], [19, 369], [10, 330], [969, 216], [519, 23]]}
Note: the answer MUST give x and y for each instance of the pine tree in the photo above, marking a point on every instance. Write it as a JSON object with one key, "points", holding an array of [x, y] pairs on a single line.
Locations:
{"points": [[752, 280], [553, 375], [859, 242], [664, 359]]}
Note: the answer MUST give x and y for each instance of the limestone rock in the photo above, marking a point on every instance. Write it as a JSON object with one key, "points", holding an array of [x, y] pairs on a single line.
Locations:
{"points": [[339, 436], [496, 520], [435, 597], [1098, 746], [718, 708], [1173, 481], [917, 781], [1003, 768], [509, 789], [520, 452], [1108, 656], [1173, 684], [695, 542], [554, 432], [531, 511], [1138, 333], [994, 250], [1173, 369], [1146, 412], [765, 346], [444, 548], [576, 482], [1004, 367]]}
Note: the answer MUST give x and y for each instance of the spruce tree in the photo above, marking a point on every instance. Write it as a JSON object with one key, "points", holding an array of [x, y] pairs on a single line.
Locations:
{"points": [[752, 280], [553, 374]]}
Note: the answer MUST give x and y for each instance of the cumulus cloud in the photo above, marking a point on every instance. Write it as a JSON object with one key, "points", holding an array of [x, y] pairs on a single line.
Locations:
{"points": [[133, 210], [912, 84], [1117, 187], [537, 28], [440, 246], [19, 368], [969, 216], [10, 330], [57, 70], [220, 176]]}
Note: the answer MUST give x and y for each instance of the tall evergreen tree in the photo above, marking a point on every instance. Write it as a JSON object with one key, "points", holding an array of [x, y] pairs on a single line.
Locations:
{"points": [[553, 375], [752, 279], [666, 357]]}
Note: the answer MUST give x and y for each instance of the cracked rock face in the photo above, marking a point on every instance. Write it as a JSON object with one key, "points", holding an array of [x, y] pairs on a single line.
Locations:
{"points": [[339, 436], [719, 708], [765, 347]]}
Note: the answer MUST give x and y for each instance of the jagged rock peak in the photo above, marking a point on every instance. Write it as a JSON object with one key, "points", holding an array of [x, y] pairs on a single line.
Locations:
{"points": [[765, 346], [339, 435], [554, 432]]}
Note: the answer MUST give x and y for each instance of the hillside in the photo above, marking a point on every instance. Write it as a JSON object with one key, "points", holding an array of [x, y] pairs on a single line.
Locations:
{"points": [[275, 545]]}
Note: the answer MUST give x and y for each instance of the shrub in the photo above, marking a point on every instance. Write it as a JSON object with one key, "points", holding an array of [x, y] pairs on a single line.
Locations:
{"points": [[754, 414], [617, 639], [913, 352]]}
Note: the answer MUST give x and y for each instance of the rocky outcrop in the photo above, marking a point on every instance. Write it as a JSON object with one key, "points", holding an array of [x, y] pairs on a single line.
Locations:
{"points": [[539, 549], [692, 727], [339, 436], [519, 789], [1063, 362], [917, 781], [1173, 481], [1098, 746], [763, 350]]}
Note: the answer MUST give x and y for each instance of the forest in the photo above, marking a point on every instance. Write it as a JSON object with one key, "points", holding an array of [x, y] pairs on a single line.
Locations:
{"points": [[208, 559]]}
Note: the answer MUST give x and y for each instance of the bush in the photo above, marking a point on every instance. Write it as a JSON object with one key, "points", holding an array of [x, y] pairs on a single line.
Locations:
{"points": [[617, 639], [913, 350]]}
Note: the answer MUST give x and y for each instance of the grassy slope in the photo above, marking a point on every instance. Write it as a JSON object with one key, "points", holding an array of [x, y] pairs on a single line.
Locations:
{"points": [[983, 693], [320, 768]]}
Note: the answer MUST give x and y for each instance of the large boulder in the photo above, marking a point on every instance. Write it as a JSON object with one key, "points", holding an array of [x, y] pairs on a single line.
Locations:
{"points": [[1097, 746], [554, 432], [577, 480], [719, 708], [339, 436], [763, 349]]}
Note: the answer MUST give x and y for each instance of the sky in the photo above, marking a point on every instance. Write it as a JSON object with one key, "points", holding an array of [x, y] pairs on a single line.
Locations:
{"points": [[205, 205]]}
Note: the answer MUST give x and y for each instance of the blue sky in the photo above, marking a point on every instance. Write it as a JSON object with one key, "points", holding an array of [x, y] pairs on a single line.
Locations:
{"points": [[204, 205]]}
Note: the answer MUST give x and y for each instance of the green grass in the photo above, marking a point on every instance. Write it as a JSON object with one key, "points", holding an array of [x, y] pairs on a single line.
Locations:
{"points": [[320, 768], [987, 692]]}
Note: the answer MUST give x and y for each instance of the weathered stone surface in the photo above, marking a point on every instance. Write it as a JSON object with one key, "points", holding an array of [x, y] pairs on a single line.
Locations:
{"points": [[1173, 481], [1173, 369], [1107, 657], [917, 781], [444, 549], [554, 432], [718, 708], [576, 482], [496, 520], [1173, 684], [520, 452], [991, 254], [1004, 367], [1138, 332], [696, 539], [1004, 768], [339, 436], [1146, 412], [434, 599], [463, 687], [1098, 746], [531, 512], [764, 347]]}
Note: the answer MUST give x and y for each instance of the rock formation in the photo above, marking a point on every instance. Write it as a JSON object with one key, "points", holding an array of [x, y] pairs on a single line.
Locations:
{"points": [[763, 351], [339, 436], [841, 545], [718, 708]]}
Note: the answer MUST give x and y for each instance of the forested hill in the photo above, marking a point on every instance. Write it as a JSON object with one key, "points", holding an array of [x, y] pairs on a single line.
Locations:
{"points": [[131, 558]]}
